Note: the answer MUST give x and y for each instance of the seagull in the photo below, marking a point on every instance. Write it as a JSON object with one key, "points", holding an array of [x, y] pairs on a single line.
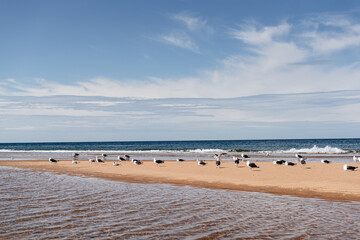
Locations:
{"points": [[180, 160], [251, 165], [116, 164], [356, 159], [53, 160], [298, 156], [74, 162], [325, 161], [127, 157], [279, 162], [158, 162], [244, 155], [91, 160], [136, 162], [99, 160], [236, 161], [218, 163], [121, 158], [104, 155], [201, 162], [289, 163], [349, 168], [75, 155], [302, 161]]}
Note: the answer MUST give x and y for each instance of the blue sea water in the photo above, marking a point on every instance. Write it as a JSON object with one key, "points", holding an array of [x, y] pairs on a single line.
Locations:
{"points": [[339, 150], [272, 145]]}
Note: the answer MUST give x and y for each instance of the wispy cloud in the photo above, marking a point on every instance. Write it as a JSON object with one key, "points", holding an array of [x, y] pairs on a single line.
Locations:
{"points": [[330, 33], [250, 34], [180, 39], [192, 22], [186, 37], [277, 59]]}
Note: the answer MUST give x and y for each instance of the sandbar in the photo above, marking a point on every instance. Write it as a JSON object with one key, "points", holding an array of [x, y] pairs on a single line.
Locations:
{"points": [[315, 180]]}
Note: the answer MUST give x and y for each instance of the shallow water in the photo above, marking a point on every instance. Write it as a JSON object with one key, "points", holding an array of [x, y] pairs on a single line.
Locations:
{"points": [[39, 205]]}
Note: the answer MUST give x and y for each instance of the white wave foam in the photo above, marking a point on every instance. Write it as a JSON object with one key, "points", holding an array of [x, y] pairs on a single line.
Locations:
{"points": [[314, 149], [115, 151]]}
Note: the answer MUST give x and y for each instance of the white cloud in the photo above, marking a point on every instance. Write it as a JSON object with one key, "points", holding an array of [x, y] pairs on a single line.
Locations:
{"points": [[22, 128], [251, 35], [180, 39], [192, 22], [273, 63], [104, 103], [332, 33]]}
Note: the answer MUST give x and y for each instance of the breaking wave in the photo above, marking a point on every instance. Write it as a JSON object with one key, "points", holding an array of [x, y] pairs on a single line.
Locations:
{"points": [[314, 149]]}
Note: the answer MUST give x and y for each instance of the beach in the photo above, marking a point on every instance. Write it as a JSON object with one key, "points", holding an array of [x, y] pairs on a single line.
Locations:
{"points": [[315, 180]]}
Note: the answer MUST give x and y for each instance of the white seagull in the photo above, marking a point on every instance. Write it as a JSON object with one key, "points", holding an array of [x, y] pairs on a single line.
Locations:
{"points": [[289, 163], [157, 162], [52, 160], [325, 161], [302, 161], [251, 165], [349, 168], [236, 161], [116, 164], [201, 162], [136, 162], [356, 159], [99, 160], [279, 162], [74, 162]]}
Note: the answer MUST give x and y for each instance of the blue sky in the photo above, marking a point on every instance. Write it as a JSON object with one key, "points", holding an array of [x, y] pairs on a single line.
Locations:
{"points": [[178, 70]]}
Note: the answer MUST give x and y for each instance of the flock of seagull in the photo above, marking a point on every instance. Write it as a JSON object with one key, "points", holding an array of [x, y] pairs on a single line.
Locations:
{"points": [[299, 159]]}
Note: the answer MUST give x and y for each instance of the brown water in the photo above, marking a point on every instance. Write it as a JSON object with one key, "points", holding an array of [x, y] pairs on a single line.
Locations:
{"points": [[39, 205]]}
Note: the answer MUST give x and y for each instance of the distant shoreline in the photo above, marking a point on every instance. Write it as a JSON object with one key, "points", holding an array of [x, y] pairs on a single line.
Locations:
{"points": [[316, 180]]}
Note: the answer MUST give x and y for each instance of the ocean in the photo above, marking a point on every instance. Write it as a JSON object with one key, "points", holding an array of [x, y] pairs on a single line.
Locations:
{"points": [[340, 150], [41, 205]]}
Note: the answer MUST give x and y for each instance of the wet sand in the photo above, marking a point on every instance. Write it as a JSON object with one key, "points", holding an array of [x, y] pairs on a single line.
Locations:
{"points": [[315, 180]]}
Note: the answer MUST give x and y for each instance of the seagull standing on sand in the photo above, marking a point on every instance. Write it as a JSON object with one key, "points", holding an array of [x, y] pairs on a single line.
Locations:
{"points": [[236, 161], [356, 159], [279, 162], [74, 162], [218, 159], [92, 160], [52, 160], [127, 157], [289, 163], [121, 158], [99, 160], [201, 162], [218, 163], [116, 164], [302, 161], [298, 156], [157, 162], [251, 165], [325, 161], [136, 162], [349, 168], [180, 160]]}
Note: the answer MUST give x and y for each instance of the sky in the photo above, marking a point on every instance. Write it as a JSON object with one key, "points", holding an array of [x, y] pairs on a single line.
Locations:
{"points": [[92, 70]]}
